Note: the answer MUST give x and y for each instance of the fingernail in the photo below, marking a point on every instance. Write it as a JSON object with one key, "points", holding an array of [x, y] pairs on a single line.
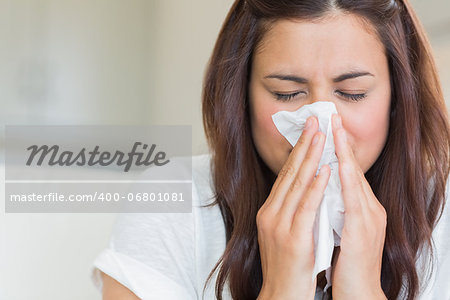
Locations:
{"points": [[338, 121], [344, 135], [316, 139], [308, 123]]}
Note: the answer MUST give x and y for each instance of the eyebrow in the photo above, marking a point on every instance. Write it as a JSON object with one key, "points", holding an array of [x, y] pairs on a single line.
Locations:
{"points": [[342, 77]]}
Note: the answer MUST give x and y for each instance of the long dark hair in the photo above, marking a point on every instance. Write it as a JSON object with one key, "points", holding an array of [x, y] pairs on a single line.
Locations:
{"points": [[416, 151]]}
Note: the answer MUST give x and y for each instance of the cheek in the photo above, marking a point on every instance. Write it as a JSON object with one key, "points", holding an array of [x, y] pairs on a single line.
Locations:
{"points": [[263, 122], [270, 144], [366, 130], [367, 133]]}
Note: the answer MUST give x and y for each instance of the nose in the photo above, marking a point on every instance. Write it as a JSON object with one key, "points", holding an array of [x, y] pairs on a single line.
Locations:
{"points": [[320, 93]]}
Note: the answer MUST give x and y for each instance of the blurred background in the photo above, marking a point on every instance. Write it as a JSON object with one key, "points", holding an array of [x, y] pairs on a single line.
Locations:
{"points": [[102, 62]]}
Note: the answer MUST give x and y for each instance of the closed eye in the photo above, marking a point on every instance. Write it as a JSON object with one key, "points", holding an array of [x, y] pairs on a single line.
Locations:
{"points": [[353, 97], [286, 97]]}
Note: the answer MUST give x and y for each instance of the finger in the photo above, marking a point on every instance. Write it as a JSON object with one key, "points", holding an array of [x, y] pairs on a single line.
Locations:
{"points": [[370, 198], [343, 150], [304, 177], [305, 212], [289, 170], [373, 203], [349, 172]]}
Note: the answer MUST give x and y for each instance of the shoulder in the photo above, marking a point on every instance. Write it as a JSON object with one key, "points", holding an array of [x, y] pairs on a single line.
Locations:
{"points": [[437, 266], [441, 238], [210, 236], [175, 251], [179, 226], [202, 180], [201, 166], [444, 221], [199, 169]]}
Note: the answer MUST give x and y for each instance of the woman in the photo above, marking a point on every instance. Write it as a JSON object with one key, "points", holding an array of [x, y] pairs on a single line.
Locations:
{"points": [[373, 61]]}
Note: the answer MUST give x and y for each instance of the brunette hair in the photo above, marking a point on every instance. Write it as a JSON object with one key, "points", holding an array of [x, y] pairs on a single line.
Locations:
{"points": [[416, 152]]}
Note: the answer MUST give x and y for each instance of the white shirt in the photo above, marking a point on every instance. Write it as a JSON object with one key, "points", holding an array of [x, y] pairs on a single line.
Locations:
{"points": [[169, 255]]}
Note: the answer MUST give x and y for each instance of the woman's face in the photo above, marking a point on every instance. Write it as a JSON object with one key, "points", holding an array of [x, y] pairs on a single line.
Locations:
{"points": [[302, 62]]}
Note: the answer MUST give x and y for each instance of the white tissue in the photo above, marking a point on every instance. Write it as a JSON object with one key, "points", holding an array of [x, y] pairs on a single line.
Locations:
{"points": [[330, 217]]}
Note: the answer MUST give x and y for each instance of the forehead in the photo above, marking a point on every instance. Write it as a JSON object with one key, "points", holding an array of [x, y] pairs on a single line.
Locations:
{"points": [[333, 43]]}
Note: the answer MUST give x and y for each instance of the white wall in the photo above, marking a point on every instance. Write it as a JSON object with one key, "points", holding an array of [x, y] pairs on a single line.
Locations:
{"points": [[435, 16]]}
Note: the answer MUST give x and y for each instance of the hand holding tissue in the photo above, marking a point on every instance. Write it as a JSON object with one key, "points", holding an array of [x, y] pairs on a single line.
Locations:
{"points": [[330, 216]]}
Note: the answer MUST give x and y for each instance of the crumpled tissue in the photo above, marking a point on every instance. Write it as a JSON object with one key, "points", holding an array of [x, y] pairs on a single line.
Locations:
{"points": [[330, 216]]}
